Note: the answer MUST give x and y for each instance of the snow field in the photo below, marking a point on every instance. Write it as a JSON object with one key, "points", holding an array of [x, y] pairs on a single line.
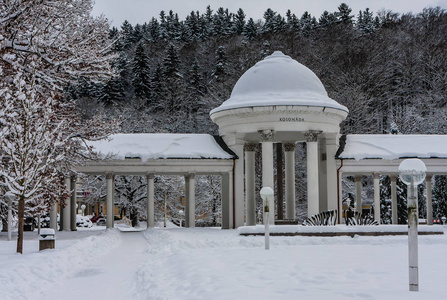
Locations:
{"points": [[35, 273], [209, 263]]}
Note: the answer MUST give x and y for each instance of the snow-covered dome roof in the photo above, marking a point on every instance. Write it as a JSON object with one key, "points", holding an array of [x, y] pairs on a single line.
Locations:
{"points": [[278, 80]]}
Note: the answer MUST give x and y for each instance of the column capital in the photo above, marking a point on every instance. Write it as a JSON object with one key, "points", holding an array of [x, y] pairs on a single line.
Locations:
{"points": [[110, 175], [150, 176], [289, 146], [358, 177], [250, 147], [312, 135], [376, 175], [190, 176], [428, 177], [73, 177], [266, 135], [393, 177]]}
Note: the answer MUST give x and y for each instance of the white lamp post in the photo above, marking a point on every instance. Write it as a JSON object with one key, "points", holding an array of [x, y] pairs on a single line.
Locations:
{"points": [[83, 209], [412, 173], [181, 213], [266, 194], [443, 219], [10, 197]]}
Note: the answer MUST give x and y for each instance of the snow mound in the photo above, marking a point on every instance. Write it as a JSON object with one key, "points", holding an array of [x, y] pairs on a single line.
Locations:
{"points": [[159, 146], [278, 80], [391, 146]]}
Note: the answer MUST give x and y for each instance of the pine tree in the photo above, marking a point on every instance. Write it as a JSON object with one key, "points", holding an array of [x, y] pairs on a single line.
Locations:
{"points": [[127, 35], [221, 64], [112, 92], [344, 14], [365, 22], [306, 23], [141, 72], [269, 21], [239, 21], [250, 30], [279, 23], [293, 23], [327, 19], [171, 62], [154, 29], [192, 27]]}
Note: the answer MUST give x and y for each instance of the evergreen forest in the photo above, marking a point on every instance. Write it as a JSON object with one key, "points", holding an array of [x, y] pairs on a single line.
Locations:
{"points": [[389, 69]]}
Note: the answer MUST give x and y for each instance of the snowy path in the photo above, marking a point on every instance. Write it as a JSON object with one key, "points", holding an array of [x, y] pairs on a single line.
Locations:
{"points": [[109, 277], [205, 263]]}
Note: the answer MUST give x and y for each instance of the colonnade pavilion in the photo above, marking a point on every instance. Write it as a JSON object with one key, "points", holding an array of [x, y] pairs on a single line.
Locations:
{"points": [[278, 100]]}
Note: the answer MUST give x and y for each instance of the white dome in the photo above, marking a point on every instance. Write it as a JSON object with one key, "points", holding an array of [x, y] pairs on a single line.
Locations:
{"points": [[278, 80]]}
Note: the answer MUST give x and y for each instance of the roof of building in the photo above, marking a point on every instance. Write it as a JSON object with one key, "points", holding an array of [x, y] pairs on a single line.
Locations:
{"points": [[162, 146], [278, 80], [393, 146]]}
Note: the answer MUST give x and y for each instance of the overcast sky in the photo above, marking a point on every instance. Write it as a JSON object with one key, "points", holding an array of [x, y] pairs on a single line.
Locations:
{"points": [[140, 11]]}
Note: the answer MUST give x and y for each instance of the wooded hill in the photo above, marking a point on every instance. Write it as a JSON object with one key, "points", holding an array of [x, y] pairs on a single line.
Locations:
{"points": [[390, 70]]}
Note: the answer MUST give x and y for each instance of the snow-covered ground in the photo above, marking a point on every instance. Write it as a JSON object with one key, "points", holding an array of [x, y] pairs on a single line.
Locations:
{"points": [[209, 263]]}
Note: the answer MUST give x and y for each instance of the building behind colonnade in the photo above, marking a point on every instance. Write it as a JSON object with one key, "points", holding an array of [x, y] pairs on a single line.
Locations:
{"points": [[277, 101]]}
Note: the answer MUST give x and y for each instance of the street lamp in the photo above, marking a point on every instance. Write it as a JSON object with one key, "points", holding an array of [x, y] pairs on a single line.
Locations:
{"points": [[181, 213], [83, 209], [266, 194], [10, 197], [443, 219], [412, 173]]}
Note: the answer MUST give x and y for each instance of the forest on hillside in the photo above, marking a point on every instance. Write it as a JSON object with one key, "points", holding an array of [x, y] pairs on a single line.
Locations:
{"points": [[389, 69]]}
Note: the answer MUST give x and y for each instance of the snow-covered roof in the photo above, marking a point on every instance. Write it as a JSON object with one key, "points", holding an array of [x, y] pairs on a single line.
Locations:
{"points": [[391, 146], [278, 80], [160, 146]]}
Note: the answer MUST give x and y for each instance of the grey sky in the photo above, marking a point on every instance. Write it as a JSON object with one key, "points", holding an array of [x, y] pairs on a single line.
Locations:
{"points": [[140, 11]]}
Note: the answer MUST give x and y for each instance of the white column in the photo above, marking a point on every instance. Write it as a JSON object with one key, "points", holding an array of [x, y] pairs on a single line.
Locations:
{"points": [[109, 200], [73, 203], [358, 193], [190, 200], [393, 179], [331, 171], [227, 200], [289, 159], [250, 183], [239, 214], [313, 198], [429, 199], [267, 175], [340, 197], [150, 200], [9, 217], [322, 175], [66, 210], [53, 216], [376, 179]]}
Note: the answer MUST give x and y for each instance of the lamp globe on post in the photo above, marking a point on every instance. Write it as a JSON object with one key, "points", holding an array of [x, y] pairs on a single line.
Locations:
{"points": [[83, 209], [412, 173], [266, 194], [181, 213]]}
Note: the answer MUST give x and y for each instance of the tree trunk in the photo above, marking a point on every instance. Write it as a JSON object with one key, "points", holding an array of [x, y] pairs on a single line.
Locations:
{"points": [[134, 217], [5, 225], [21, 213]]}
